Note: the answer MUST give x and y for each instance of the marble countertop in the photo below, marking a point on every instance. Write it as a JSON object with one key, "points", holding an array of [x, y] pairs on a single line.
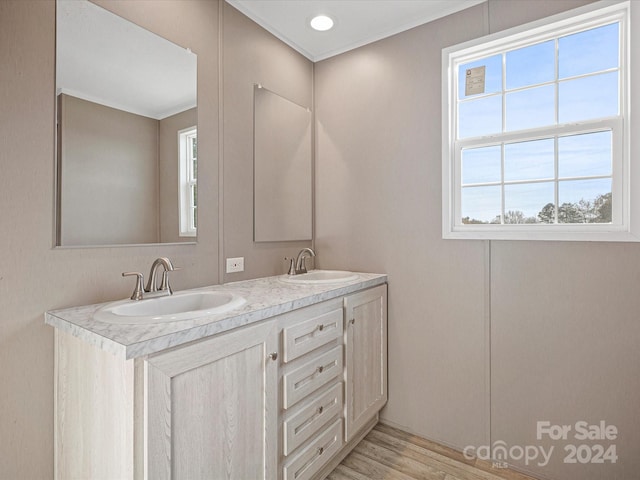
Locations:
{"points": [[266, 297]]}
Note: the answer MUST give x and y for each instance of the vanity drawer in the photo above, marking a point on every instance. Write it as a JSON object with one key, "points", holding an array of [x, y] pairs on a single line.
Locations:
{"points": [[303, 424], [306, 336], [312, 458], [299, 383]]}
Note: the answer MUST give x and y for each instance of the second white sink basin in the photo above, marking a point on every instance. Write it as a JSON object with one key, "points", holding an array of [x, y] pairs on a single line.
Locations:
{"points": [[316, 277], [170, 308]]}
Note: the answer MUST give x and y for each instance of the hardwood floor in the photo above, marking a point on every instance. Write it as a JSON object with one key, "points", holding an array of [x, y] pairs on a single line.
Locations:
{"points": [[387, 453]]}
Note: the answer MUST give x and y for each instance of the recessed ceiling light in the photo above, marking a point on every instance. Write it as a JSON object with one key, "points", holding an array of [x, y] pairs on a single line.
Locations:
{"points": [[321, 23]]}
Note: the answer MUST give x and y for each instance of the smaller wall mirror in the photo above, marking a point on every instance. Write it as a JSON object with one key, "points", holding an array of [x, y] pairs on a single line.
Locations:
{"points": [[282, 168], [126, 132]]}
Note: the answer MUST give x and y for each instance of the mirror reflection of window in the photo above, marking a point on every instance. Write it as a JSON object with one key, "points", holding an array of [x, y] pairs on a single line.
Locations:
{"points": [[188, 148]]}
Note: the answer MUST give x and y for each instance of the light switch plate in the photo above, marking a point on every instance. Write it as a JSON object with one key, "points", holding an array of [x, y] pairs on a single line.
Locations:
{"points": [[235, 265]]}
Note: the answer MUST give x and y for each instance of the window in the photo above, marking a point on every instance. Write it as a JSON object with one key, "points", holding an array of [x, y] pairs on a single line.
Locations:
{"points": [[188, 154], [535, 137]]}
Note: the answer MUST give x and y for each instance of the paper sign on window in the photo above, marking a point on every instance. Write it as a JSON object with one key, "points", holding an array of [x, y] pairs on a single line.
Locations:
{"points": [[474, 83]]}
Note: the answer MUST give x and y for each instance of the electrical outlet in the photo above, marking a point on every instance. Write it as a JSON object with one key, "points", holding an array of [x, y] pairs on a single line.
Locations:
{"points": [[235, 264]]}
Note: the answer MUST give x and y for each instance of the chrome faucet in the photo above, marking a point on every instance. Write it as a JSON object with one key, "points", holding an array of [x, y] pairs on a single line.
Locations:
{"points": [[300, 266], [152, 284]]}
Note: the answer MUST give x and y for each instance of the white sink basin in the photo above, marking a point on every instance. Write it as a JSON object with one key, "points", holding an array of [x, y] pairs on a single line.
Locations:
{"points": [[318, 277], [170, 308]]}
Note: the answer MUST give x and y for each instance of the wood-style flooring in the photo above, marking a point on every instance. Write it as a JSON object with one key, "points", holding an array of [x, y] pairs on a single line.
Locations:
{"points": [[387, 453]]}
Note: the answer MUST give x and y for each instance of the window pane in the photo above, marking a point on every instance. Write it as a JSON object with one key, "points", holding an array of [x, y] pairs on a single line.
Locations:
{"points": [[493, 74], [523, 202], [588, 52], [589, 97], [481, 204], [584, 155], [194, 195], [529, 160], [585, 201], [531, 65], [481, 165], [195, 217], [480, 117], [534, 107]]}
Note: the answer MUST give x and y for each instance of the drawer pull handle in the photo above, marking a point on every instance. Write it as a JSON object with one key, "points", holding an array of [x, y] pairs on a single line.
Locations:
{"points": [[320, 451], [353, 320], [273, 356], [320, 327], [320, 369], [320, 409]]}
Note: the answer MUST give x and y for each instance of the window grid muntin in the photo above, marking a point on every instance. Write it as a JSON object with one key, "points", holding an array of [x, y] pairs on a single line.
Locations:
{"points": [[612, 125], [503, 94], [556, 82]]}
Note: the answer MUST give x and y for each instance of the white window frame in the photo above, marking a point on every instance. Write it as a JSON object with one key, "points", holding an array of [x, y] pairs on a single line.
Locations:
{"points": [[187, 180], [584, 18]]}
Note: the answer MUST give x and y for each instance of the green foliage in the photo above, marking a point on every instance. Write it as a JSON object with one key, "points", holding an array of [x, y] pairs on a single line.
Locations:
{"points": [[585, 211], [547, 214]]}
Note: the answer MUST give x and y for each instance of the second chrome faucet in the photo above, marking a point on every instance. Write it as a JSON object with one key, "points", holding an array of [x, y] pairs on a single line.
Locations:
{"points": [[299, 265]]}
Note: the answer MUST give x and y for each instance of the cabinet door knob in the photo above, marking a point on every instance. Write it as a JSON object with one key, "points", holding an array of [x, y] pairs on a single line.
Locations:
{"points": [[320, 369], [320, 409], [320, 450], [320, 327], [353, 320], [273, 355]]}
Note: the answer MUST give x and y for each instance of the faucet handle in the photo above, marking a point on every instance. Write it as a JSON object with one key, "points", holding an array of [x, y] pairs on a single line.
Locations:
{"points": [[138, 291], [292, 267], [164, 283]]}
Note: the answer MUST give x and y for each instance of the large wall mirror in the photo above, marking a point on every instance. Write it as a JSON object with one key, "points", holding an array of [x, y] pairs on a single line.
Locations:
{"points": [[282, 168], [126, 132]]}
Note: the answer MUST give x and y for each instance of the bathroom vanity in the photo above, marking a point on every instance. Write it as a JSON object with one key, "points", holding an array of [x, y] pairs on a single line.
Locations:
{"points": [[282, 387]]}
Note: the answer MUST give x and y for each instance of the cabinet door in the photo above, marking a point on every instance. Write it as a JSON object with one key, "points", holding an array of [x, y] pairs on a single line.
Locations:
{"points": [[212, 408], [366, 357]]}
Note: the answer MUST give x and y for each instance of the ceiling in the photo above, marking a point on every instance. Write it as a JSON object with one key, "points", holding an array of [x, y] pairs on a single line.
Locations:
{"points": [[357, 22], [105, 59]]}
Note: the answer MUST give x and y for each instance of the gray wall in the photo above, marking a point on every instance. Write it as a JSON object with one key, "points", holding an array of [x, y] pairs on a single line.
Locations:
{"points": [[252, 55], [109, 167], [485, 338], [34, 277]]}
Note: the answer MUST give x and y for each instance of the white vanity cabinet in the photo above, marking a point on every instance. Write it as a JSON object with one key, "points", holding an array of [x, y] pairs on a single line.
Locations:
{"points": [[365, 357], [312, 384], [212, 408], [207, 410], [284, 398], [333, 379]]}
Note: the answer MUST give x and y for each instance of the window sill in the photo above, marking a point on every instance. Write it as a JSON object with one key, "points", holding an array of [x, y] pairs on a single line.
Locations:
{"points": [[570, 233]]}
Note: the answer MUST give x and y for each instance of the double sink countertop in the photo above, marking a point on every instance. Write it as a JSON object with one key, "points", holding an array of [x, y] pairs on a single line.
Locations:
{"points": [[266, 297]]}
